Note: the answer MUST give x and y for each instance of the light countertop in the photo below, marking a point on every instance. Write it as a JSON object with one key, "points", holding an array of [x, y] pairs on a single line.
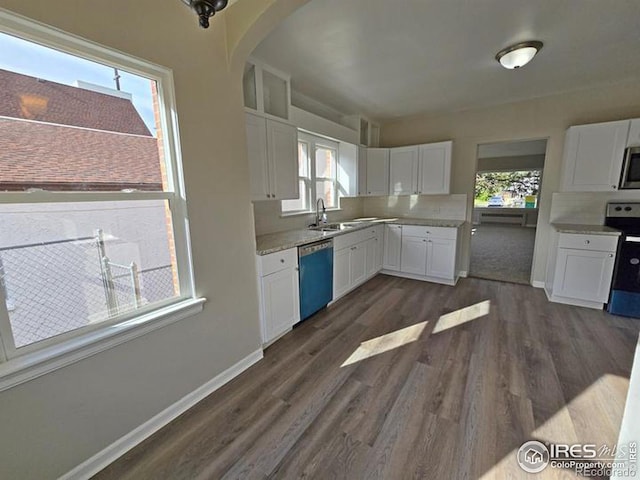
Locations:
{"points": [[275, 242], [585, 229]]}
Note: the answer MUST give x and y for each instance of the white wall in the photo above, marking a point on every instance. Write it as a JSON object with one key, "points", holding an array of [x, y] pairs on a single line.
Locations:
{"points": [[52, 423], [546, 117]]}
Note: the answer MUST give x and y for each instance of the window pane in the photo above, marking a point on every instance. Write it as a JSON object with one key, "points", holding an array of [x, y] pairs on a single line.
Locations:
{"points": [[70, 124], [303, 159], [325, 162], [326, 190], [66, 266], [298, 204]]}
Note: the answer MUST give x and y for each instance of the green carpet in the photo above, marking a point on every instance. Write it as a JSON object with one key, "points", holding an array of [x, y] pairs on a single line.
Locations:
{"points": [[502, 252]]}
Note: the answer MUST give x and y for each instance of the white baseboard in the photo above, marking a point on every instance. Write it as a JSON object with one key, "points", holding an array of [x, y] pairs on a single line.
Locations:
{"points": [[102, 459], [537, 284]]}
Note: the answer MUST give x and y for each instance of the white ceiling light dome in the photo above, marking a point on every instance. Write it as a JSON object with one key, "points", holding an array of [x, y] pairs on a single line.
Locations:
{"points": [[518, 55]]}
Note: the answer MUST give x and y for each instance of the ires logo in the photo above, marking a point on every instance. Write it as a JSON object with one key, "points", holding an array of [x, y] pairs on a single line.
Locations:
{"points": [[559, 451]]}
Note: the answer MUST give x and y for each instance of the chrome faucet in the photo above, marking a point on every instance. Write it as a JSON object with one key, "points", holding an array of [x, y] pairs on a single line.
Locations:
{"points": [[320, 218]]}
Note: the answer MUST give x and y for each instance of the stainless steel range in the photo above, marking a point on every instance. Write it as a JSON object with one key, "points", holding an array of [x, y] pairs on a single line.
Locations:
{"points": [[625, 290]]}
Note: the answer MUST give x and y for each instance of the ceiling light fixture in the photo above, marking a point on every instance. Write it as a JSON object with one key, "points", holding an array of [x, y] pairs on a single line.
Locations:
{"points": [[518, 55], [206, 9]]}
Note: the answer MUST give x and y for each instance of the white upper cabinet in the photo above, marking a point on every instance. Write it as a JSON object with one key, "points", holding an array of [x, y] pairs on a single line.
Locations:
{"points": [[403, 171], [258, 163], [434, 172], [377, 171], [362, 171], [634, 133], [414, 170], [273, 159], [593, 156], [282, 143], [266, 90]]}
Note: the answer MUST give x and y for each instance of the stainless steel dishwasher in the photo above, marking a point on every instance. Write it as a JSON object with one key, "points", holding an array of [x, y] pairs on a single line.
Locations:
{"points": [[316, 276]]}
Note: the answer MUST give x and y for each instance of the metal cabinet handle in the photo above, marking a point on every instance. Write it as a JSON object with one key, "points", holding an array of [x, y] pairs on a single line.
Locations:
{"points": [[614, 187], [611, 255], [587, 242], [282, 260], [424, 240]]}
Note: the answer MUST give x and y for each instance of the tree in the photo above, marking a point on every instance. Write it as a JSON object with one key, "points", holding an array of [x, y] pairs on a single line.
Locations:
{"points": [[518, 184]]}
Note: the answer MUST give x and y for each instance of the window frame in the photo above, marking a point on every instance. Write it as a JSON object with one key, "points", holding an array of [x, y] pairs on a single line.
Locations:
{"points": [[175, 196], [313, 142]]}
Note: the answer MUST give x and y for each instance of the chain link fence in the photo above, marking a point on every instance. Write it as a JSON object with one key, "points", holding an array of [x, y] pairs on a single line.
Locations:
{"points": [[55, 287]]}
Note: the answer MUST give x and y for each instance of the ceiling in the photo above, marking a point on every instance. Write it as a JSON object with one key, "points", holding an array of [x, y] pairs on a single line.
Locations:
{"points": [[389, 59]]}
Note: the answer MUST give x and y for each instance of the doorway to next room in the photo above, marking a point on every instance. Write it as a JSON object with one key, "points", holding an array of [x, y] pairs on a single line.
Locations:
{"points": [[505, 210]]}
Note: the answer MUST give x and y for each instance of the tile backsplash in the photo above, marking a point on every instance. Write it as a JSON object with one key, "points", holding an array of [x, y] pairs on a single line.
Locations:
{"points": [[586, 207], [268, 217], [449, 207]]}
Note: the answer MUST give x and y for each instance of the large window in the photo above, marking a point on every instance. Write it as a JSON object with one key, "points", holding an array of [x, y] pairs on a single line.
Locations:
{"points": [[510, 189], [317, 174], [92, 213]]}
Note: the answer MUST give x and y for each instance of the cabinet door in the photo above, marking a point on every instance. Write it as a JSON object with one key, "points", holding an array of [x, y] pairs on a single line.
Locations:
{"points": [[403, 171], [282, 142], [378, 171], [257, 151], [379, 241], [434, 175], [358, 264], [583, 274], [634, 133], [392, 247], [371, 247], [341, 269], [414, 255], [593, 156], [441, 258], [281, 307], [362, 171]]}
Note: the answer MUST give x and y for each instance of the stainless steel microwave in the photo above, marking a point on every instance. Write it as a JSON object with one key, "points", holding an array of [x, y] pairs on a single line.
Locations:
{"points": [[630, 178]]}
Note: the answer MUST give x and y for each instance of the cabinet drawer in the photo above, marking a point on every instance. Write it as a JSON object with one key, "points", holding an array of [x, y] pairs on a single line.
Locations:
{"points": [[353, 238], [274, 262], [446, 233], [601, 243]]}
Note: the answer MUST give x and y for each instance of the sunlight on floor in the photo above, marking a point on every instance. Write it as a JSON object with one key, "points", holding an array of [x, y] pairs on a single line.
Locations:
{"points": [[591, 417], [463, 315], [386, 342]]}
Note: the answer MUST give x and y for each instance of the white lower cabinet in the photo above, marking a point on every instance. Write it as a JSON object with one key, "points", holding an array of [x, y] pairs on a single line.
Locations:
{"points": [[581, 269], [392, 247], [279, 293], [341, 269], [429, 253], [583, 274], [414, 255], [441, 257], [357, 257], [358, 263]]}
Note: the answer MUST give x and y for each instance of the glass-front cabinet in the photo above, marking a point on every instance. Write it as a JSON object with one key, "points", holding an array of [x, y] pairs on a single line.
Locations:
{"points": [[266, 90]]}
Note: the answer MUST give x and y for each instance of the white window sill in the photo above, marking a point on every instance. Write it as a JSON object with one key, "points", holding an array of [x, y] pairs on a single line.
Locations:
{"points": [[32, 365], [297, 214]]}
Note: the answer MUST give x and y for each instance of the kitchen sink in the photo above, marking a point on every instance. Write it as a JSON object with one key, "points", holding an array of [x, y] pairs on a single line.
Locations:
{"points": [[333, 227]]}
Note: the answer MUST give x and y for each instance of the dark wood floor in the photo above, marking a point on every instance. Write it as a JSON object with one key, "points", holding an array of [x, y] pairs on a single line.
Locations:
{"points": [[448, 383]]}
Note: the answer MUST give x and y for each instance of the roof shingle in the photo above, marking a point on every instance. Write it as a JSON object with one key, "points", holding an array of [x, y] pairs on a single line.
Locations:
{"points": [[30, 98]]}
